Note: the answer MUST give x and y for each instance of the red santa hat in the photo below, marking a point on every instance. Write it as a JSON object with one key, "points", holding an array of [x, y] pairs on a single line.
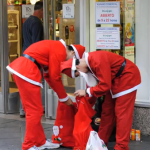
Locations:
{"points": [[66, 68], [79, 50]]}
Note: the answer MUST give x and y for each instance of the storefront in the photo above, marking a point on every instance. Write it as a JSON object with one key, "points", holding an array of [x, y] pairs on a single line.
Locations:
{"points": [[92, 24]]}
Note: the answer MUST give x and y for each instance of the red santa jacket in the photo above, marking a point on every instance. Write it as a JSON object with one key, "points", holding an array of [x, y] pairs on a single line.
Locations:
{"points": [[49, 54], [104, 66]]}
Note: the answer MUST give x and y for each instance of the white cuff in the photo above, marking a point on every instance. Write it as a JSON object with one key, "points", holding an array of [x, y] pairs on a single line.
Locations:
{"points": [[64, 99], [88, 91]]}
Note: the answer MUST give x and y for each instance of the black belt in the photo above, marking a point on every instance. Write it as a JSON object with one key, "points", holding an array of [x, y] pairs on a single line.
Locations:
{"points": [[32, 59], [121, 69]]}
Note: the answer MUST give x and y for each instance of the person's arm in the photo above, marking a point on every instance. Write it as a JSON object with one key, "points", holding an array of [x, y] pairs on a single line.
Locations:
{"points": [[37, 32], [55, 81]]}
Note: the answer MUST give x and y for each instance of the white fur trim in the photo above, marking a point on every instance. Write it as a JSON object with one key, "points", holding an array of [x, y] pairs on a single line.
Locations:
{"points": [[72, 73], [83, 56], [88, 91], [64, 99], [125, 92], [73, 64], [76, 52], [63, 42], [86, 59], [23, 77]]}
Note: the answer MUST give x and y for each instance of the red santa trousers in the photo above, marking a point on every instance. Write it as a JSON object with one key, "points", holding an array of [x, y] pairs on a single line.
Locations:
{"points": [[31, 100], [119, 111]]}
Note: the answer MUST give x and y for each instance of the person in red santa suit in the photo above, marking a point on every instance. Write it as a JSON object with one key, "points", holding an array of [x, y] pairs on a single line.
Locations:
{"points": [[119, 79], [48, 55]]}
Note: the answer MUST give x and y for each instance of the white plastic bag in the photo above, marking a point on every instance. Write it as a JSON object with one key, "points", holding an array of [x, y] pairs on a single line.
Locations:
{"points": [[95, 143]]}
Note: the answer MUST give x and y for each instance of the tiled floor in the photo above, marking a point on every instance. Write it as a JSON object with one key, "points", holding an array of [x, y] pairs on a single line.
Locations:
{"points": [[12, 134]]}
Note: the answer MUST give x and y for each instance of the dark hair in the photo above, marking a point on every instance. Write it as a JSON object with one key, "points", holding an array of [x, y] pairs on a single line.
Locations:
{"points": [[70, 48], [38, 5]]}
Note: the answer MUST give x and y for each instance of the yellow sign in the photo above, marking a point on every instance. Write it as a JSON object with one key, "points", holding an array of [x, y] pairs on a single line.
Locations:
{"points": [[129, 53]]}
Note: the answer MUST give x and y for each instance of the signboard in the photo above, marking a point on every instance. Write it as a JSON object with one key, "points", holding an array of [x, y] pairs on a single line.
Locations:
{"points": [[107, 12], [68, 11], [27, 10], [108, 38], [129, 53], [129, 29]]}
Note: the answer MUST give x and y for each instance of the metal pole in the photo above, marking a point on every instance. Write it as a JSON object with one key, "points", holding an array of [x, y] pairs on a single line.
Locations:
{"points": [[4, 56], [46, 37], [53, 6]]}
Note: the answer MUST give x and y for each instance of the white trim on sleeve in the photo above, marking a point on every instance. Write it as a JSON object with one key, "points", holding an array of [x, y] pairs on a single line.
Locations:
{"points": [[64, 99], [23, 77], [63, 42], [76, 52], [125, 92], [89, 93]]}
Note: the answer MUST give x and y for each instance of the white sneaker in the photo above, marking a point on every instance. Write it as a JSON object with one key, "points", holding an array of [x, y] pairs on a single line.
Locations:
{"points": [[33, 148], [49, 145]]}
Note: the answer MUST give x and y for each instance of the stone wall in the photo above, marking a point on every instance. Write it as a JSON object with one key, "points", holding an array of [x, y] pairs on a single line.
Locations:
{"points": [[141, 120]]}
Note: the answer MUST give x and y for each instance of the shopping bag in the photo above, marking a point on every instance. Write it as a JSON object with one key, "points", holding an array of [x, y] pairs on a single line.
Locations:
{"points": [[64, 124], [82, 127], [95, 143]]}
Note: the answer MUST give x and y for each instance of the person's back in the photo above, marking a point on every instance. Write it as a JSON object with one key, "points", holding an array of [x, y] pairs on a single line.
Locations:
{"points": [[32, 27], [32, 31]]}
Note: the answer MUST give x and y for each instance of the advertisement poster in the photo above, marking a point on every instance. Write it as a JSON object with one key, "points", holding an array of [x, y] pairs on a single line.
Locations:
{"points": [[68, 11], [27, 10], [129, 53], [107, 12], [129, 29], [108, 38]]}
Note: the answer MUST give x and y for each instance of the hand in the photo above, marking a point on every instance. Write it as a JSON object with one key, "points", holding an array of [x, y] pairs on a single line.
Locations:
{"points": [[80, 93], [69, 102]]}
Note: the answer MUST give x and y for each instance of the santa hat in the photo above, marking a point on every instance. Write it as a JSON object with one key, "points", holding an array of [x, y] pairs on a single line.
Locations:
{"points": [[79, 50], [66, 68]]}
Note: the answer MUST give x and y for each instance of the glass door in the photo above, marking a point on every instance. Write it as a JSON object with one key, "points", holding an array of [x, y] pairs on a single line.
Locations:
{"points": [[59, 27]]}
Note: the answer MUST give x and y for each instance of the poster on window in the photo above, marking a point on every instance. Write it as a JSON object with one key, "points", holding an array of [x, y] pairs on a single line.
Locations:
{"points": [[107, 12], [68, 11], [27, 10], [129, 29], [108, 38]]}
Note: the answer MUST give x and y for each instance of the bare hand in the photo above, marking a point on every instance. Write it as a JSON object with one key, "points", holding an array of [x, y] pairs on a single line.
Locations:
{"points": [[80, 93], [69, 102]]}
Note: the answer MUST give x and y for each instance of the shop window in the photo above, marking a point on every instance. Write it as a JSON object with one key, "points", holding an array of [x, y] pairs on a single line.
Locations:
{"points": [[126, 27]]}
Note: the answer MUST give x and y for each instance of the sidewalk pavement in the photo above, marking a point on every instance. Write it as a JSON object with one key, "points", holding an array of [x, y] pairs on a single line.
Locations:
{"points": [[12, 134]]}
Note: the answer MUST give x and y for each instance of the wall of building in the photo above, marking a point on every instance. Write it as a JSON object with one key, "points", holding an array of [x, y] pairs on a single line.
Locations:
{"points": [[141, 119]]}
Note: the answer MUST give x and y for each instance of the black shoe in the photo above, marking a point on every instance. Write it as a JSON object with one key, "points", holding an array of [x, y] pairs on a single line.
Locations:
{"points": [[22, 116]]}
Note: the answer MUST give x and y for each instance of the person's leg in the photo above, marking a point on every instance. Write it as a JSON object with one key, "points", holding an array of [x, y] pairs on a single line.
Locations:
{"points": [[32, 104], [124, 108], [107, 118], [22, 113]]}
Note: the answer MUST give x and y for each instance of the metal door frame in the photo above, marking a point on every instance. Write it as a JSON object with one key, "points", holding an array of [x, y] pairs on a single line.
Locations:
{"points": [[4, 94]]}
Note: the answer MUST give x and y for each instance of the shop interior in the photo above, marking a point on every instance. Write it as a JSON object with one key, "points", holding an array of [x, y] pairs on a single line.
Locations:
{"points": [[61, 29]]}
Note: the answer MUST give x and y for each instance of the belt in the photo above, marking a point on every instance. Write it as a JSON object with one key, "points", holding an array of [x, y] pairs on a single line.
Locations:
{"points": [[121, 69], [32, 59]]}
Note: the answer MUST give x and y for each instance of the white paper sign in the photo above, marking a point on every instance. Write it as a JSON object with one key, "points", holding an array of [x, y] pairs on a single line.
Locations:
{"points": [[27, 10], [108, 38], [107, 12], [68, 11]]}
